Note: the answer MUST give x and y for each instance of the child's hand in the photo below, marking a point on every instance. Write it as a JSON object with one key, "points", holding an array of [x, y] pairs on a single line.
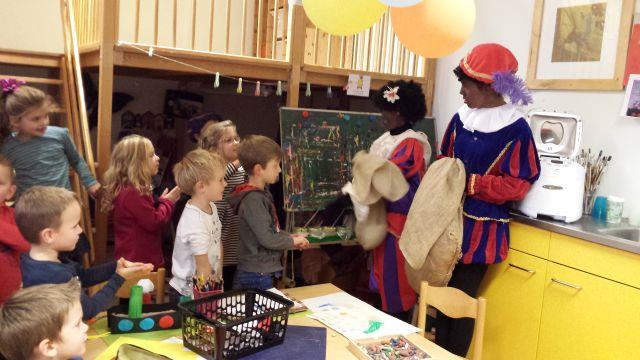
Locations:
{"points": [[94, 190], [300, 241], [128, 269], [173, 195]]}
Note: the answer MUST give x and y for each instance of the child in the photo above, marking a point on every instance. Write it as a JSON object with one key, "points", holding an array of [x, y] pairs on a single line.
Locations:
{"points": [[43, 322], [40, 154], [261, 241], [11, 241], [222, 138], [137, 220], [197, 249], [48, 217]]}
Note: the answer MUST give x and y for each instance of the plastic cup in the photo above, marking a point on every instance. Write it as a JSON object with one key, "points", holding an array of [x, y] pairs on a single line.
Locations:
{"points": [[615, 205], [599, 211]]}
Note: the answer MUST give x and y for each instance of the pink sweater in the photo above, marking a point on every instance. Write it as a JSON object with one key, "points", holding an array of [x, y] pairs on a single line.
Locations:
{"points": [[138, 225]]}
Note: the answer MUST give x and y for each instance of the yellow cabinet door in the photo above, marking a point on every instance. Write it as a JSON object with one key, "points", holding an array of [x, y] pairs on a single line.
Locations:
{"points": [[513, 290], [588, 317]]}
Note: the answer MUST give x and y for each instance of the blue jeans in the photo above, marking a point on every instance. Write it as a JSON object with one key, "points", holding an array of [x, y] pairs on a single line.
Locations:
{"points": [[252, 280]]}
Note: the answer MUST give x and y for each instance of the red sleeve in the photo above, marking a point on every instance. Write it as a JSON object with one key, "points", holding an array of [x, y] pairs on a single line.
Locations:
{"points": [[409, 157], [514, 172], [142, 208], [9, 233]]}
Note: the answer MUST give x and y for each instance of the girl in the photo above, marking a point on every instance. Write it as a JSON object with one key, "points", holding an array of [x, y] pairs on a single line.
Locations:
{"points": [[137, 219], [402, 105], [222, 139], [40, 154]]}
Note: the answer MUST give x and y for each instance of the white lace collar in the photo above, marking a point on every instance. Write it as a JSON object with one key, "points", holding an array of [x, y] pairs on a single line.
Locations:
{"points": [[489, 120]]}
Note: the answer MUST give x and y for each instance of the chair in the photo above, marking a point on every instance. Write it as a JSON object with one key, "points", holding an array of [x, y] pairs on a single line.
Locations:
{"points": [[455, 304], [157, 278]]}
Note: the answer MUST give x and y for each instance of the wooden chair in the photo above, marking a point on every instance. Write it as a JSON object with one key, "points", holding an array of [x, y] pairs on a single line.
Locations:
{"points": [[158, 282], [455, 304]]}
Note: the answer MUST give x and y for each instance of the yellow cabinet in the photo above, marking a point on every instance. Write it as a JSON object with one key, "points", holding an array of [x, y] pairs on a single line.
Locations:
{"points": [[587, 317], [513, 290]]}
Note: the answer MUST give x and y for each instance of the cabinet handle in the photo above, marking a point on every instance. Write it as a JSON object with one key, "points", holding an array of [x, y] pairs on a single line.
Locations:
{"points": [[523, 269], [577, 287]]}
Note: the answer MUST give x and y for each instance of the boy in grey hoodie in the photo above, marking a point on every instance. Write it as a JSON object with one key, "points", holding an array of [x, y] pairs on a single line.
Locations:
{"points": [[261, 240]]}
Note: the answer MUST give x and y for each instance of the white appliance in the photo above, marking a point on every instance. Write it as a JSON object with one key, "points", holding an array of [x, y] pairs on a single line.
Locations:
{"points": [[559, 190]]}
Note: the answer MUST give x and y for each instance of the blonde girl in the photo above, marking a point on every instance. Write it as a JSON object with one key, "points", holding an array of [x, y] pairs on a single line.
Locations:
{"points": [[40, 154], [222, 139], [137, 220]]}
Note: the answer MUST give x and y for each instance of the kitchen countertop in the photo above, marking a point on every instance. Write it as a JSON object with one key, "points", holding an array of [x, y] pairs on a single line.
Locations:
{"points": [[586, 228]]}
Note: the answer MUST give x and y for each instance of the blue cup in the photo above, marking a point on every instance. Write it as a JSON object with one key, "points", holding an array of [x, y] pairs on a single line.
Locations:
{"points": [[600, 208]]}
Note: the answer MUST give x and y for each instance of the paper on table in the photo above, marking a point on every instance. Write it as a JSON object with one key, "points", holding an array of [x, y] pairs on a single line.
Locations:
{"points": [[298, 306], [354, 318], [170, 350]]}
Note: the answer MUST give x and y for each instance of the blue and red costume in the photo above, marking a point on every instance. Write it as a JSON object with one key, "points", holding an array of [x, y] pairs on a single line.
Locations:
{"points": [[500, 166], [388, 276]]}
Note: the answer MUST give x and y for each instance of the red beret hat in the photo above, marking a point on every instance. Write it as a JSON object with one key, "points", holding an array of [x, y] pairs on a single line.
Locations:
{"points": [[485, 60]]}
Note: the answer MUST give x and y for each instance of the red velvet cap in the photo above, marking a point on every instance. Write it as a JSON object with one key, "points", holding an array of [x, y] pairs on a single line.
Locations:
{"points": [[486, 59]]}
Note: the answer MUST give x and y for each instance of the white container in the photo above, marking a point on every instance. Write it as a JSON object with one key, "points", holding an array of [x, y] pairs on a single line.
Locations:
{"points": [[615, 205]]}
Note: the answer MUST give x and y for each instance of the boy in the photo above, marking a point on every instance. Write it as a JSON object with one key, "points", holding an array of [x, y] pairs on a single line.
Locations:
{"points": [[12, 244], [197, 249], [261, 240], [49, 218], [43, 322]]}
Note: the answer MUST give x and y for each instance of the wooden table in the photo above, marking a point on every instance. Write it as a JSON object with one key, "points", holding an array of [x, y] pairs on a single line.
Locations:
{"points": [[336, 343]]}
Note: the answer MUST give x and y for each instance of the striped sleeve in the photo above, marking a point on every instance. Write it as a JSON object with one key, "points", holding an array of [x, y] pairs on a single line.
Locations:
{"points": [[230, 222], [519, 168], [446, 149]]}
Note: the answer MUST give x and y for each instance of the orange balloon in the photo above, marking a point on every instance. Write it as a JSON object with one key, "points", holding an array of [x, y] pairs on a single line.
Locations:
{"points": [[434, 28]]}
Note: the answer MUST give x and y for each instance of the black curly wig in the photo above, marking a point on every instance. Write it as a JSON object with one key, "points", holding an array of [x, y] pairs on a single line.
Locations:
{"points": [[411, 104]]}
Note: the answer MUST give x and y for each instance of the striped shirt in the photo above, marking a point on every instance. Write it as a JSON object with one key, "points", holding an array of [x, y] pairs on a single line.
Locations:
{"points": [[230, 234], [44, 160]]}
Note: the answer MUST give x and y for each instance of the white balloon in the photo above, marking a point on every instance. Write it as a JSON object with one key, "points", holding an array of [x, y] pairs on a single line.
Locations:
{"points": [[400, 3]]}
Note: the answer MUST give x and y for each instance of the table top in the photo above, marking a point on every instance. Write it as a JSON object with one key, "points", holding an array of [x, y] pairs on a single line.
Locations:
{"points": [[336, 343]]}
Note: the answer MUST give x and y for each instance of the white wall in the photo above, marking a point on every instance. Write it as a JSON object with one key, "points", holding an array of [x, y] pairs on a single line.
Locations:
{"points": [[31, 25], [509, 23]]}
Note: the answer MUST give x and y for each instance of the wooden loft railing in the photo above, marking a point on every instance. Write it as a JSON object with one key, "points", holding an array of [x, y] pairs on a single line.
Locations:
{"points": [[87, 21], [376, 50]]}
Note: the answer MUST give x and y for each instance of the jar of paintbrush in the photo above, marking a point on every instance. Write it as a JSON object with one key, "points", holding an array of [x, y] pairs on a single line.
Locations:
{"points": [[595, 166]]}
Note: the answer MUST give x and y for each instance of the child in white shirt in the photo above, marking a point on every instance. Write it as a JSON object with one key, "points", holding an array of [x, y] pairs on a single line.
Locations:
{"points": [[197, 250]]}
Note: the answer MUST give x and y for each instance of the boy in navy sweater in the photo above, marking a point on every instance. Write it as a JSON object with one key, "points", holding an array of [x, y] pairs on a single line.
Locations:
{"points": [[49, 218]]}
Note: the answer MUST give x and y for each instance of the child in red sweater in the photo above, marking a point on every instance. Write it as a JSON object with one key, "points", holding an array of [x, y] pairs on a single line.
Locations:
{"points": [[11, 241], [137, 219]]}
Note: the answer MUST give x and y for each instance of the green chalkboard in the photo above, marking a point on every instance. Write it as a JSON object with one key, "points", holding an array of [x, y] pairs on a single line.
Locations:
{"points": [[318, 146]]}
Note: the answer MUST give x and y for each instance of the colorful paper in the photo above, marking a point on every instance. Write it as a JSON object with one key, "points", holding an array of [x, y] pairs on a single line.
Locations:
{"points": [[170, 350]]}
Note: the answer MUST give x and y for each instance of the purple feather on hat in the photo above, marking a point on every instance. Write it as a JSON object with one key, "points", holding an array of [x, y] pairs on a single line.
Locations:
{"points": [[509, 84]]}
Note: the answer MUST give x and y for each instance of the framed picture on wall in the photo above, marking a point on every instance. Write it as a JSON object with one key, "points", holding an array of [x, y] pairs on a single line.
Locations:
{"points": [[579, 44], [631, 106]]}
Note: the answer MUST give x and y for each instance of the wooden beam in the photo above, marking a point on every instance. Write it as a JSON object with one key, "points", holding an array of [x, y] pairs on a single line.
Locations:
{"points": [[34, 80], [297, 41], [231, 65], [322, 75], [430, 86], [29, 58], [108, 15]]}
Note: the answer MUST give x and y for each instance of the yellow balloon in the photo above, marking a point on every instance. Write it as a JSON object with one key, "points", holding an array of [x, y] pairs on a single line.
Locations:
{"points": [[343, 17], [434, 28]]}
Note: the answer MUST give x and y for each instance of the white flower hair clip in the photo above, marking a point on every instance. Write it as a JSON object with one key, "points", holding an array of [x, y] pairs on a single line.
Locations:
{"points": [[391, 94]]}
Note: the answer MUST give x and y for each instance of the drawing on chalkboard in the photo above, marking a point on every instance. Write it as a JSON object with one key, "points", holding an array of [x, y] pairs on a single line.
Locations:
{"points": [[318, 146]]}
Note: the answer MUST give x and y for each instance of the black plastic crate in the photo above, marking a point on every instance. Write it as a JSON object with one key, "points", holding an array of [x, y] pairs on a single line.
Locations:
{"points": [[234, 323]]}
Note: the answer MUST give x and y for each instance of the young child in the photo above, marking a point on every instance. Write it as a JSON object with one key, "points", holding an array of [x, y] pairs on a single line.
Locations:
{"points": [[40, 154], [261, 240], [48, 217], [137, 220], [197, 249], [222, 138], [12, 244], [43, 322]]}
